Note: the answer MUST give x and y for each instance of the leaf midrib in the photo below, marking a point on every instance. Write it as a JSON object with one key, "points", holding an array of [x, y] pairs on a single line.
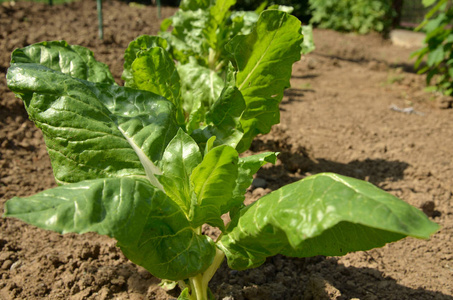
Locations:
{"points": [[262, 56]]}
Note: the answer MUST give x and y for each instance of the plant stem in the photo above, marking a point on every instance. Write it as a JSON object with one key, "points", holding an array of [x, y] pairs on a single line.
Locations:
{"points": [[209, 273], [212, 59], [196, 284], [100, 22], [199, 284]]}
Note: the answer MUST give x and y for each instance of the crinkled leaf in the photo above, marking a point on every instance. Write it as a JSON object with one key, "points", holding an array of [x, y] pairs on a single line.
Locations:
{"points": [[264, 61], [187, 38], [94, 130], [213, 183], [223, 118], [181, 156], [76, 61], [142, 43], [217, 16], [151, 230], [324, 214], [153, 70], [200, 88]]}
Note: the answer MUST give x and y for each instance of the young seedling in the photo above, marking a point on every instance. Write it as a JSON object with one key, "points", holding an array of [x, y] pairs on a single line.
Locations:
{"points": [[134, 164]]}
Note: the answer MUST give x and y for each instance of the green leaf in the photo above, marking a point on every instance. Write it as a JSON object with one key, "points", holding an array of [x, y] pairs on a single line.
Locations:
{"points": [[243, 22], [168, 285], [264, 69], [223, 118], [436, 56], [217, 16], [247, 167], [213, 183], [194, 4], [200, 88], [184, 294], [187, 38], [165, 24], [151, 230], [142, 43], [181, 156], [94, 130], [324, 214], [76, 61], [308, 44], [154, 71], [286, 9]]}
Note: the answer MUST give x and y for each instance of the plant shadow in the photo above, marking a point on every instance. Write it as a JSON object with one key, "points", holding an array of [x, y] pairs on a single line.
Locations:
{"points": [[294, 95], [297, 163], [316, 277]]}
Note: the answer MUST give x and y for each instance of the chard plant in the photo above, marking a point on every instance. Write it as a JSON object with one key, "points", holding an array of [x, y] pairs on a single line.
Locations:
{"points": [[199, 41], [134, 164]]}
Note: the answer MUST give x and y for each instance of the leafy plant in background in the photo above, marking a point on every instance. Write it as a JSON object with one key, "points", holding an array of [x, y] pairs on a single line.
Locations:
{"points": [[199, 42], [439, 46], [129, 166], [360, 16]]}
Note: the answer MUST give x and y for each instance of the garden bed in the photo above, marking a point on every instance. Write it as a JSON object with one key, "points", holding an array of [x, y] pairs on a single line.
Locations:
{"points": [[346, 113]]}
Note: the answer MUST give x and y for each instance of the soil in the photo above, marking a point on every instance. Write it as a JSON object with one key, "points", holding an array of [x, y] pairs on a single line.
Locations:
{"points": [[356, 107]]}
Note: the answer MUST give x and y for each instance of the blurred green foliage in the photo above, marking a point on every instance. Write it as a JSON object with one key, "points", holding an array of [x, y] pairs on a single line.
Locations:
{"points": [[360, 16], [438, 25]]}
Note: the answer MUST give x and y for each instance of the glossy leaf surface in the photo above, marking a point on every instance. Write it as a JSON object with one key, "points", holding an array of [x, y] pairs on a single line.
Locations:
{"points": [[324, 214], [142, 43], [151, 230], [217, 16], [213, 182], [223, 118], [76, 61], [94, 130], [180, 158], [200, 88], [154, 71], [264, 69]]}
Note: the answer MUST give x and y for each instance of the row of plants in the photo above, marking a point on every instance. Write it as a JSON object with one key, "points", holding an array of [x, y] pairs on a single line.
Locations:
{"points": [[151, 162], [362, 16]]}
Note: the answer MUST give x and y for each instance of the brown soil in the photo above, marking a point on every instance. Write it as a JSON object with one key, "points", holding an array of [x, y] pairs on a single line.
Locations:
{"points": [[336, 117]]}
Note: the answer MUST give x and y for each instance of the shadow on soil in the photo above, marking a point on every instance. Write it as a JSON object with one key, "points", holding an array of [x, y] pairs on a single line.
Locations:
{"points": [[294, 95], [406, 67], [298, 163], [313, 278], [306, 76]]}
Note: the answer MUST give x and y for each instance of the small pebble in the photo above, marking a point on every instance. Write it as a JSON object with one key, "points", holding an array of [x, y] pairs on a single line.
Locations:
{"points": [[16, 265], [7, 264], [259, 183]]}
